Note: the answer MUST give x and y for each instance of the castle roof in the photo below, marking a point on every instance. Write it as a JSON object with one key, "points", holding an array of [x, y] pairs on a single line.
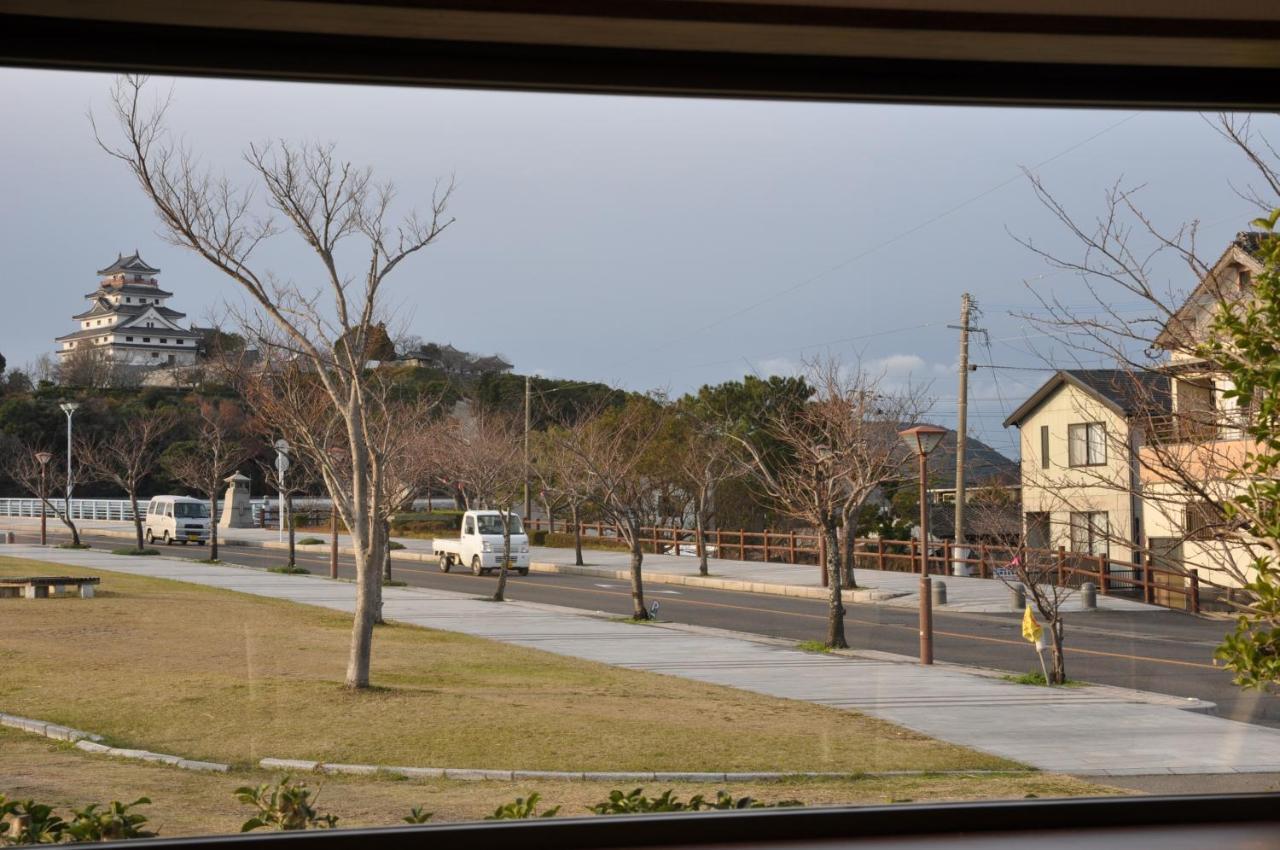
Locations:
{"points": [[132, 264]]}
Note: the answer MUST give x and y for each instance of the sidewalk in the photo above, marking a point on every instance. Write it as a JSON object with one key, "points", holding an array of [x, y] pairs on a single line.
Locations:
{"points": [[964, 594], [1086, 731]]}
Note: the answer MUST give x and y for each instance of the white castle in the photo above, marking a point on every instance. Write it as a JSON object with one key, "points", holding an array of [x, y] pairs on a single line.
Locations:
{"points": [[127, 320]]}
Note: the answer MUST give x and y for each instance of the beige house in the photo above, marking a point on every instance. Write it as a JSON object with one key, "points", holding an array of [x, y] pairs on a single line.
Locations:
{"points": [[1194, 458], [1080, 438]]}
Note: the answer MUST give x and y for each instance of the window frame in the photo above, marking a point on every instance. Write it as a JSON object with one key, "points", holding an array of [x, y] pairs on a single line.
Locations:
{"points": [[1087, 442]]}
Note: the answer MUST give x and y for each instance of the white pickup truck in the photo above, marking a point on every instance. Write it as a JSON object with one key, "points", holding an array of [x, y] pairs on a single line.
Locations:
{"points": [[480, 545]]}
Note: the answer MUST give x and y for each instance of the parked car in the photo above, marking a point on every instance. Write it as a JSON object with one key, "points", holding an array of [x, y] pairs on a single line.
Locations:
{"points": [[479, 544], [177, 519]]}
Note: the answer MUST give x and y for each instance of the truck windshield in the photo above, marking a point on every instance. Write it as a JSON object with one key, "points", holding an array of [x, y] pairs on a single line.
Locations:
{"points": [[491, 524], [191, 510]]}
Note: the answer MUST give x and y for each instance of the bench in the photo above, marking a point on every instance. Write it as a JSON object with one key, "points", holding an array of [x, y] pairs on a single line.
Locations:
{"points": [[37, 587]]}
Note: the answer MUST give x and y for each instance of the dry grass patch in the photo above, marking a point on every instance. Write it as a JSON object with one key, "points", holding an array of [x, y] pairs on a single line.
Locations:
{"points": [[223, 676], [187, 803]]}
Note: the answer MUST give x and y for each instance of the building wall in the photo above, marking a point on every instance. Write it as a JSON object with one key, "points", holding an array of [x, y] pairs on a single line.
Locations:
{"points": [[1061, 489]]}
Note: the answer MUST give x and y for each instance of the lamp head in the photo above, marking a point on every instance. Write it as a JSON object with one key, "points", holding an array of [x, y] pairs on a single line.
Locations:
{"points": [[70, 407], [44, 457], [923, 439]]}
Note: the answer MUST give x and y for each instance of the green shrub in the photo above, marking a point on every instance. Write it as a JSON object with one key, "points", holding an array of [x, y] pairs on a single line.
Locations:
{"points": [[562, 540], [289, 571], [813, 646], [539, 538], [131, 551], [522, 808], [394, 545], [70, 545], [283, 806], [311, 541], [635, 802], [28, 822], [417, 815]]}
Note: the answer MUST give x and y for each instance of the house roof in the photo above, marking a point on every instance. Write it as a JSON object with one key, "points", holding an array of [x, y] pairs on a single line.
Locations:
{"points": [[983, 465], [1245, 250], [1126, 392], [149, 290], [104, 308], [132, 264]]}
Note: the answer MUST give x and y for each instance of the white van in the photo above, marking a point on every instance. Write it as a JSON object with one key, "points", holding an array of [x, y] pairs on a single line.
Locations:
{"points": [[177, 518]]}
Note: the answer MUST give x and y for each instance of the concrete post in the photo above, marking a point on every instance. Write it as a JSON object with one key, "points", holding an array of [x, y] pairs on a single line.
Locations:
{"points": [[1017, 597], [1088, 596], [939, 592], [86, 591]]}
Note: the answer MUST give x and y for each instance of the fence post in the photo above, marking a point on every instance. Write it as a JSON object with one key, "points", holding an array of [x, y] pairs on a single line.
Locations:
{"points": [[791, 547], [880, 554], [1195, 591], [982, 561], [766, 545], [1102, 575], [822, 556], [1062, 566], [1148, 592], [742, 539]]}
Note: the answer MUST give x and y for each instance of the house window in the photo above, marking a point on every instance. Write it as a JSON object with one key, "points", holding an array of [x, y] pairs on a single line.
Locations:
{"points": [[179, 341], [128, 339], [146, 339], [1044, 446], [162, 339], [1087, 444], [155, 354], [1089, 532], [1200, 521], [128, 300]]}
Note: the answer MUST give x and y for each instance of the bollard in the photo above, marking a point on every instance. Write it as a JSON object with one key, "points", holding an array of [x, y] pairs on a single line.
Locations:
{"points": [[1088, 596], [939, 592], [1017, 597], [10, 537]]}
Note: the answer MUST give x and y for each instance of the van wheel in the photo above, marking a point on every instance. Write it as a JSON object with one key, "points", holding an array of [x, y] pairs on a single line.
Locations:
{"points": [[167, 541], [476, 568], [199, 542], [151, 538], [524, 571], [445, 562], [184, 543]]}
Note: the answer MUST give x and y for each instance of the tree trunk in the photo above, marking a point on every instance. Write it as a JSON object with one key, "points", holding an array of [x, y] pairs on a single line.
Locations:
{"points": [[293, 553], [213, 526], [702, 543], [1058, 672], [69, 523], [577, 536], [137, 518], [835, 615], [637, 581], [846, 552], [368, 593], [386, 548], [499, 594]]}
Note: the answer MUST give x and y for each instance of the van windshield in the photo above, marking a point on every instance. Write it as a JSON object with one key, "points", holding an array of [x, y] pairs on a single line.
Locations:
{"points": [[191, 510], [491, 524]]}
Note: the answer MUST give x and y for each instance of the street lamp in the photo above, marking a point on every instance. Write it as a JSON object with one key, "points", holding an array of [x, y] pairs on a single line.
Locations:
{"points": [[69, 408], [922, 440], [43, 458]]}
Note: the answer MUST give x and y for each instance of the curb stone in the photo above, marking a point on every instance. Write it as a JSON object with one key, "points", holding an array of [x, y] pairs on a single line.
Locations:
{"points": [[481, 774], [89, 743]]}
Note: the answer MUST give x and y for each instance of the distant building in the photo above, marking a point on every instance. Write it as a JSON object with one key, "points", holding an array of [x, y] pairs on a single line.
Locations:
{"points": [[128, 322], [452, 361]]}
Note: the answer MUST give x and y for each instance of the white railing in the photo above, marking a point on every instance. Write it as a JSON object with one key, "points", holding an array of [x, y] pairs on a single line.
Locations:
{"points": [[92, 509]]}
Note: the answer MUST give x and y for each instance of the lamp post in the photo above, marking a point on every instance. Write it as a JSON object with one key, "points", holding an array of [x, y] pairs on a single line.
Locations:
{"points": [[922, 440], [43, 458], [69, 408]]}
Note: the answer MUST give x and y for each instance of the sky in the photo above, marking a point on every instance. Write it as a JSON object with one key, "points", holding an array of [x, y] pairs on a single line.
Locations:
{"points": [[651, 243]]}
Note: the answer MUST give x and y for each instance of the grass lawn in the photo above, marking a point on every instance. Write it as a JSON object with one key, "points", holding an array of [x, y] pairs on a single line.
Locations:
{"points": [[217, 675], [186, 803]]}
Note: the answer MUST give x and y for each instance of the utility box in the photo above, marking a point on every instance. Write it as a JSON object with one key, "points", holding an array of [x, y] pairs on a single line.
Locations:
{"points": [[237, 512]]}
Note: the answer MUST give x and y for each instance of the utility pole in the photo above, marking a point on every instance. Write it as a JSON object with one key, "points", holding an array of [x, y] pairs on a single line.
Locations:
{"points": [[528, 395], [967, 308]]}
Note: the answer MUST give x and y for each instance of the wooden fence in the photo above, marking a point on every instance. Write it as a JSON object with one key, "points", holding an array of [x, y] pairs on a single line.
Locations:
{"points": [[1154, 585]]}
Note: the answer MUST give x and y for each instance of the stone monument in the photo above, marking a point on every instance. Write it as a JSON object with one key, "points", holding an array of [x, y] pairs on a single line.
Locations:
{"points": [[237, 512]]}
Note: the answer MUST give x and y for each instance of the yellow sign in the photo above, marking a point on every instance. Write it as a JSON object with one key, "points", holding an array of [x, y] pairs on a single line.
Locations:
{"points": [[1031, 630]]}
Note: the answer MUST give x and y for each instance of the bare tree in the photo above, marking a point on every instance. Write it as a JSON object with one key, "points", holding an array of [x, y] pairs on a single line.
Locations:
{"points": [[609, 461], [20, 463], [326, 203], [829, 456], [127, 455], [554, 466], [93, 367], [488, 462], [213, 453], [706, 460]]}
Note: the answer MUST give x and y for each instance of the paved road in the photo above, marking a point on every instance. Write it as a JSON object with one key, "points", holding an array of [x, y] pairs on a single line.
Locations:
{"points": [[1165, 652]]}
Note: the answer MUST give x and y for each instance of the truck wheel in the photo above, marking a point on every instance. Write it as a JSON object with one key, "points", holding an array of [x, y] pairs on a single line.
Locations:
{"points": [[524, 571], [167, 541], [445, 562], [476, 568], [151, 538]]}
